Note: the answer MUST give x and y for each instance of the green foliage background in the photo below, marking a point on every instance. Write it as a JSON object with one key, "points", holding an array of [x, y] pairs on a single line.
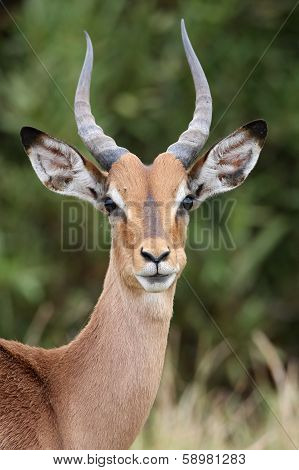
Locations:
{"points": [[142, 94]]}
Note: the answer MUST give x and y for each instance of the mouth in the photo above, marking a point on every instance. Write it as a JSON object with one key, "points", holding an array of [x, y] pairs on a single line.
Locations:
{"points": [[157, 282]]}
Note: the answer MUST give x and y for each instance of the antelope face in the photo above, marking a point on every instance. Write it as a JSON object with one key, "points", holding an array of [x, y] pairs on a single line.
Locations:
{"points": [[147, 205], [148, 220]]}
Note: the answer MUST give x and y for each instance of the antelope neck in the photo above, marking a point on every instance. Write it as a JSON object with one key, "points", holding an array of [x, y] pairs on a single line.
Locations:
{"points": [[107, 378]]}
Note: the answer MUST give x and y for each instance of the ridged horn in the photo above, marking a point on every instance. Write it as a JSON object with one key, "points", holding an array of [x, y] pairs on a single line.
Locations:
{"points": [[100, 145], [193, 139]]}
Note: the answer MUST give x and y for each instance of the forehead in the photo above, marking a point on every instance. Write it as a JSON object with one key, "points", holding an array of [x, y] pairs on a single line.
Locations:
{"points": [[137, 182]]}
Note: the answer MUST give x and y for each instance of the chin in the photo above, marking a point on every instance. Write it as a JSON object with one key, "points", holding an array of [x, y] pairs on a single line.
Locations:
{"points": [[156, 283]]}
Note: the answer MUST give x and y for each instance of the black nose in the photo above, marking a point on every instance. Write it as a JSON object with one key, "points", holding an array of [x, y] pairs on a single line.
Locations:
{"points": [[156, 259]]}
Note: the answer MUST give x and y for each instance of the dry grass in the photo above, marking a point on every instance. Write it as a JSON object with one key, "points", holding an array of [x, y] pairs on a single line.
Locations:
{"points": [[211, 419]]}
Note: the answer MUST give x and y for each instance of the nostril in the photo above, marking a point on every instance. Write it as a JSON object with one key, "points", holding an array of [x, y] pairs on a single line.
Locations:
{"points": [[155, 259], [163, 255], [147, 255]]}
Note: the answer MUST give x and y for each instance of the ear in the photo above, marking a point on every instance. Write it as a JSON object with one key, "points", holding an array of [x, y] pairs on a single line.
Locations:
{"points": [[62, 169], [226, 165]]}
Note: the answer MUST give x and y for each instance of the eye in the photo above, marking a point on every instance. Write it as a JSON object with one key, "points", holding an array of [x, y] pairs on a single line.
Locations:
{"points": [[187, 203], [110, 205]]}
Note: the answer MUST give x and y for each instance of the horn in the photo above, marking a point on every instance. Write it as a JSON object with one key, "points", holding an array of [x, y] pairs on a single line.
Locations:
{"points": [[193, 139], [100, 145]]}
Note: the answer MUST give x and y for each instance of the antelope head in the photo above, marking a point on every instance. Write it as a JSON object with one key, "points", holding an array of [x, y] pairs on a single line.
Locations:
{"points": [[148, 206]]}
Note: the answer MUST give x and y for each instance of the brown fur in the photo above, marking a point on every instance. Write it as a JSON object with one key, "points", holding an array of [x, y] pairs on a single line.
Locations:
{"points": [[97, 391], [27, 418], [136, 183]]}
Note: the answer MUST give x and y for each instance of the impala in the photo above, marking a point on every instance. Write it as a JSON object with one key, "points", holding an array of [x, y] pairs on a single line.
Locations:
{"points": [[97, 391]]}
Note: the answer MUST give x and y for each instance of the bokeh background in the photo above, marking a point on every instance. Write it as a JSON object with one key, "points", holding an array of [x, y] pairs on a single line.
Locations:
{"points": [[235, 389]]}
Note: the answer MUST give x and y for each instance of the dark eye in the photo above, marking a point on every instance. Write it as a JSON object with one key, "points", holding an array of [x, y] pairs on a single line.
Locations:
{"points": [[109, 205], [187, 203]]}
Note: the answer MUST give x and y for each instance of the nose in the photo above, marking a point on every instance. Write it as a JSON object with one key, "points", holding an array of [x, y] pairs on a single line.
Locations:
{"points": [[155, 259]]}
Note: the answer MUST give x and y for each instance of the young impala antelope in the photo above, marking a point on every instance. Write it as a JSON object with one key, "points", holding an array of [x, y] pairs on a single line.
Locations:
{"points": [[97, 391]]}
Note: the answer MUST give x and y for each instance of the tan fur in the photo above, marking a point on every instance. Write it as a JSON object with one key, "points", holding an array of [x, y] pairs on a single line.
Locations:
{"points": [[97, 391], [135, 182]]}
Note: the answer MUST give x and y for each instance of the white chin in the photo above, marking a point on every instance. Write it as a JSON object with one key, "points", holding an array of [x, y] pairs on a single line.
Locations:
{"points": [[156, 284]]}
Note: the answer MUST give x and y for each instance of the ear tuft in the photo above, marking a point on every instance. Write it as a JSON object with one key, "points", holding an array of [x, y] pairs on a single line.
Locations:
{"points": [[29, 136], [257, 128]]}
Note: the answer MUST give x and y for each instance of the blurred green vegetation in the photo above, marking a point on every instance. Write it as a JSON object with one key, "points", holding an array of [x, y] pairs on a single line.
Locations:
{"points": [[142, 94]]}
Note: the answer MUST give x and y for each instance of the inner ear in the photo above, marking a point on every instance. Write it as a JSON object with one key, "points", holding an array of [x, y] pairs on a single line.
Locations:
{"points": [[62, 169], [228, 163]]}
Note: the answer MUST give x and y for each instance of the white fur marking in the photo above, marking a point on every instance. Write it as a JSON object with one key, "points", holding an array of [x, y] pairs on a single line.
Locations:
{"points": [[181, 193], [116, 197]]}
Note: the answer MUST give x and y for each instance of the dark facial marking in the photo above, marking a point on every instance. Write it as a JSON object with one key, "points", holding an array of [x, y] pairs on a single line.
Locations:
{"points": [[152, 219], [93, 192], [199, 190]]}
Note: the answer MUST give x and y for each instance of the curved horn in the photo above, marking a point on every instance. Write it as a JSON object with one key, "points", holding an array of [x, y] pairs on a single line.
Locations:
{"points": [[193, 139], [101, 146]]}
